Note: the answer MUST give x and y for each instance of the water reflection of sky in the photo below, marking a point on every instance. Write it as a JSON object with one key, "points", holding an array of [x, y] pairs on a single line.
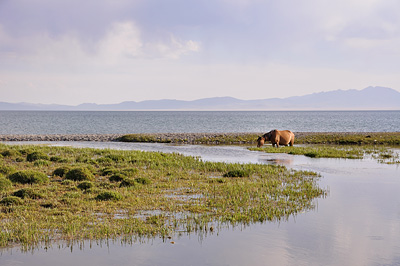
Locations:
{"points": [[357, 224]]}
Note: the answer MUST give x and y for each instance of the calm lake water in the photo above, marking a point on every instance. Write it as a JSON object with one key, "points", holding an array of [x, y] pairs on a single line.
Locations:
{"points": [[358, 223], [80, 122]]}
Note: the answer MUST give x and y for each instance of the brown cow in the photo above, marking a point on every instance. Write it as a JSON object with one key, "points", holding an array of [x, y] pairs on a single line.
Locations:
{"points": [[282, 137]]}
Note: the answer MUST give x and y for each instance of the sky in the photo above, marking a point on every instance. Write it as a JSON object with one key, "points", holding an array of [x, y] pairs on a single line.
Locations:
{"points": [[110, 51]]}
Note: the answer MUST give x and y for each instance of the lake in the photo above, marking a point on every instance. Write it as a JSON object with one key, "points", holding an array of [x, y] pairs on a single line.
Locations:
{"points": [[81, 122], [358, 223]]}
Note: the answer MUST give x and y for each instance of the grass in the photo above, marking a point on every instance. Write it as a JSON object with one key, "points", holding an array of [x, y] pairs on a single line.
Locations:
{"points": [[348, 152], [375, 138], [383, 154], [142, 138], [159, 195], [339, 138], [233, 138]]}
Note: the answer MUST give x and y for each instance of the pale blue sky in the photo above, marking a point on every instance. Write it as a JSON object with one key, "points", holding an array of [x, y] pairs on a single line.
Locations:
{"points": [[109, 51]]}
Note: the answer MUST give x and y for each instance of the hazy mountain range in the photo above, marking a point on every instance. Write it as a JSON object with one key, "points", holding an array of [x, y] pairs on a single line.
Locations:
{"points": [[370, 98]]}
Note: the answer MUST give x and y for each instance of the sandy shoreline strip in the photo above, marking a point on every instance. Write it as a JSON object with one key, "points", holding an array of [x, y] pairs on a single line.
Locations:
{"points": [[171, 137]]}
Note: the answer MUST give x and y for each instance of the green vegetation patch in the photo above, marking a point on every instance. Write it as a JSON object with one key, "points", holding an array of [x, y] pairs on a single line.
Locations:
{"points": [[222, 138], [109, 195], [85, 185], [27, 193], [4, 183], [161, 195], [328, 151], [142, 138], [244, 138], [237, 173], [143, 180], [116, 178], [6, 169], [11, 200], [345, 138], [61, 171], [28, 177], [317, 152], [36, 155], [79, 174], [127, 182]]}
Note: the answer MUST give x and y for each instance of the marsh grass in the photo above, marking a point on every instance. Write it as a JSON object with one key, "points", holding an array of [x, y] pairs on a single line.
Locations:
{"points": [[382, 154], [160, 195], [241, 138], [348, 152], [337, 138], [142, 138], [349, 138]]}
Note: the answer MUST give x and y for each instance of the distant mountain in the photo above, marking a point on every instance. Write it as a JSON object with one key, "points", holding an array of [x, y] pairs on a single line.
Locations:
{"points": [[370, 98]]}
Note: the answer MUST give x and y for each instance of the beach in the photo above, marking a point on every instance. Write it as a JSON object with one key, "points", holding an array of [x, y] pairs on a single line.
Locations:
{"points": [[191, 138]]}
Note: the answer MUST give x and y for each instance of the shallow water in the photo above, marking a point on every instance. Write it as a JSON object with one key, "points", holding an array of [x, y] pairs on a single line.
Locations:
{"points": [[358, 223]]}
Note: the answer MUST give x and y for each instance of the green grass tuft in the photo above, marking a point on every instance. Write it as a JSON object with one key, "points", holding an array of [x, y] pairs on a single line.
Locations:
{"points": [[61, 171], [85, 185], [27, 193], [127, 182], [237, 173], [116, 177], [36, 155], [4, 183], [143, 180], [28, 177], [109, 195], [79, 174], [11, 200]]}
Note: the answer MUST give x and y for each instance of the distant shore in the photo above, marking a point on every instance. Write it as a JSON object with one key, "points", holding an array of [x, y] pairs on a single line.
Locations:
{"points": [[218, 138]]}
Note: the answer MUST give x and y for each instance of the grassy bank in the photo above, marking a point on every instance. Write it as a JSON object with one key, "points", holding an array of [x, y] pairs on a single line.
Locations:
{"points": [[193, 138], [382, 154], [348, 138], [50, 194], [317, 152], [337, 138]]}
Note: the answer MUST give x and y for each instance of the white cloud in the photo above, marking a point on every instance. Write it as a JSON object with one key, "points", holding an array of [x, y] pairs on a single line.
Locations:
{"points": [[173, 49], [122, 40], [242, 48], [121, 44]]}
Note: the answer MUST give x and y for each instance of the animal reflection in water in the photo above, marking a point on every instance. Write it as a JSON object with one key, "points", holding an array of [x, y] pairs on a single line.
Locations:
{"points": [[277, 161], [277, 137]]}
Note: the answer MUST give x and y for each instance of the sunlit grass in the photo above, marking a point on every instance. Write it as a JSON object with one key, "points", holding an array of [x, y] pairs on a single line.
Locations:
{"points": [[317, 151], [340, 138], [383, 154], [102, 194], [337, 138]]}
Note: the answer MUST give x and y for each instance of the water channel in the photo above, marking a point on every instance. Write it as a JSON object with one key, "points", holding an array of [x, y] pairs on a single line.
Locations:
{"points": [[358, 223]]}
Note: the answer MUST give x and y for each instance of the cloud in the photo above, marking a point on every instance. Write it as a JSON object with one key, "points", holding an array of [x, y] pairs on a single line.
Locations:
{"points": [[352, 21], [187, 49], [173, 49], [121, 40], [122, 44]]}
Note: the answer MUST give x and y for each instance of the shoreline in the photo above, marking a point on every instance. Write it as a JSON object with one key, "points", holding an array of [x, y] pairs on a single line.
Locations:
{"points": [[193, 138]]}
